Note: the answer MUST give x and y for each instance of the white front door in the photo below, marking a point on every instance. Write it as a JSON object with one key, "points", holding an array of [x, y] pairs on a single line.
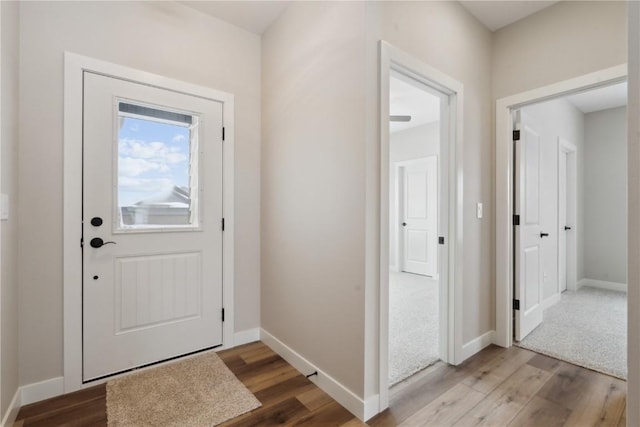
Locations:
{"points": [[419, 205], [152, 192], [528, 257]]}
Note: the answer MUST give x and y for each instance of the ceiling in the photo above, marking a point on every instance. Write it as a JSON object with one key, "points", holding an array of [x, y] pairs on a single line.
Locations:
{"points": [[600, 99], [257, 16], [407, 99], [497, 14], [253, 16]]}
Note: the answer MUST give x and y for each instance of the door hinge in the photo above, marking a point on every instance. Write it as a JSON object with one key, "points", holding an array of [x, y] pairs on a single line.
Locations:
{"points": [[516, 220], [516, 304], [441, 240], [222, 224], [81, 242], [223, 133], [516, 135], [223, 314]]}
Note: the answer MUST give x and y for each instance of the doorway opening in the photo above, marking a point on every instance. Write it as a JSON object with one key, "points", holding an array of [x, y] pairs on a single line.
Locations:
{"points": [[423, 191], [571, 237], [414, 294], [565, 158]]}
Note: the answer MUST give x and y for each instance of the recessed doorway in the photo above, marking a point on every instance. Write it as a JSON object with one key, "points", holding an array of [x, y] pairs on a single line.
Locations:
{"points": [[414, 295]]}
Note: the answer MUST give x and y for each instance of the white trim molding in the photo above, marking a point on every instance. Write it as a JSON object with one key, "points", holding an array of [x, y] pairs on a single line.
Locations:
{"points": [[552, 300], [75, 66], [363, 409], [247, 336], [504, 182], [477, 344], [42, 390], [602, 284], [12, 410]]}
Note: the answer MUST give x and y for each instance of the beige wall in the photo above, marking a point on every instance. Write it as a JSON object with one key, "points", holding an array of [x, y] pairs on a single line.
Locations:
{"points": [[163, 38], [445, 36], [8, 229], [605, 195], [568, 39], [313, 163], [319, 133]]}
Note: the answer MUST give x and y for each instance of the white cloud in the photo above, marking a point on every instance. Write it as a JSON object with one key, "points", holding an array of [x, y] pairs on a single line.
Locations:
{"points": [[144, 185], [154, 151], [128, 166], [137, 157], [178, 138]]}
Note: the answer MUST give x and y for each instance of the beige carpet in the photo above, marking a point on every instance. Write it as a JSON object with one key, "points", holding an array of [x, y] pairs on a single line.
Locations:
{"points": [[199, 391]]}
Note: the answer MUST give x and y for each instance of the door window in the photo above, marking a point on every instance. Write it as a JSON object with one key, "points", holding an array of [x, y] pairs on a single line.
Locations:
{"points": [[157, 168]]}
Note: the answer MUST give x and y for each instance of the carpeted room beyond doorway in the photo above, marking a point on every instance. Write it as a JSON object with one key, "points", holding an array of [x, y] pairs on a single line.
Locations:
{"points": [[413, 324], [587, 328]]}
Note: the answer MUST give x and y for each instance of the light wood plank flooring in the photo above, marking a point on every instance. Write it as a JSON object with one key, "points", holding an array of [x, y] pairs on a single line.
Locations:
{"points": [[507, 387], [498, 387]]}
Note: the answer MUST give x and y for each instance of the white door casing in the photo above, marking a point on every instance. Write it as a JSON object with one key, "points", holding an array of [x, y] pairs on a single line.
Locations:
{"points": [[418, 191], [528, 252], [504, 164], [450, 218], [75, 68], [567, 216], [562, 220]]}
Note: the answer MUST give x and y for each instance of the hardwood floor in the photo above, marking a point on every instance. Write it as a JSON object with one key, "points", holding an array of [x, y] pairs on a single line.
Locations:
{"points": [[507, 387], [498, 387], [287, 397]]}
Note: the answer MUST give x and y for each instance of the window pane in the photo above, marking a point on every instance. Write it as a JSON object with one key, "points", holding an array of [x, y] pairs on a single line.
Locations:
{"points": [[156, 173]]}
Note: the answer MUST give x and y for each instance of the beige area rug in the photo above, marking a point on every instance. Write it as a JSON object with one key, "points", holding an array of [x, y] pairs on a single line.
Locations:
{"points": [[200, 391]]}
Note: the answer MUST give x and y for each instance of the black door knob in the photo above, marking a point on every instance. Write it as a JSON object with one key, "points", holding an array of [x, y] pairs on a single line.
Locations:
{"points": [[404, 224], [543, 235], [97, 242], [566, 227]]}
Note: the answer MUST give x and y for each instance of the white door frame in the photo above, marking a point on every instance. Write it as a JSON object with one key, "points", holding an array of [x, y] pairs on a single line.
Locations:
{"points": [[399, 207], [450, 209], [75, 66], [571, 215], [504, 182]]}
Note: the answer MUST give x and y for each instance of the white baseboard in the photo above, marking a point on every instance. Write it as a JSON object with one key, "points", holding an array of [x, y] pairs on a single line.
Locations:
{"points": [[611, 286], [247, 336], [12, 411], [554, 299], [36, 392], [357, 406], [475, 345]]}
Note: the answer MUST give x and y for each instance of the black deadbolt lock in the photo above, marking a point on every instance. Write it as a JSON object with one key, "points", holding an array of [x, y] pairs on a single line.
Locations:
{"points": [[96, 221]]}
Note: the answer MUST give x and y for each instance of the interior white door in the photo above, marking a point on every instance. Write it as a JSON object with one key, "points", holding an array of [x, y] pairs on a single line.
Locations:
{"points": [[152, 191], [562, 220], [528, 257], [419, 204]]}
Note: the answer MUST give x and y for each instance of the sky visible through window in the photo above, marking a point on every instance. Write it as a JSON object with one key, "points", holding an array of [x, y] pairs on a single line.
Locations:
{"points": [[152, 158]]}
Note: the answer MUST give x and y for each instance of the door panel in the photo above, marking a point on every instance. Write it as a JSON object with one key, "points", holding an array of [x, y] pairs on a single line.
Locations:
{"points": [[419, 199], [528, 262], [152, 174]]}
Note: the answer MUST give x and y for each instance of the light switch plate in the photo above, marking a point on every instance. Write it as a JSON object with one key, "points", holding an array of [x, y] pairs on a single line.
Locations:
{"points": [[479, 210], [4, 207]]}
